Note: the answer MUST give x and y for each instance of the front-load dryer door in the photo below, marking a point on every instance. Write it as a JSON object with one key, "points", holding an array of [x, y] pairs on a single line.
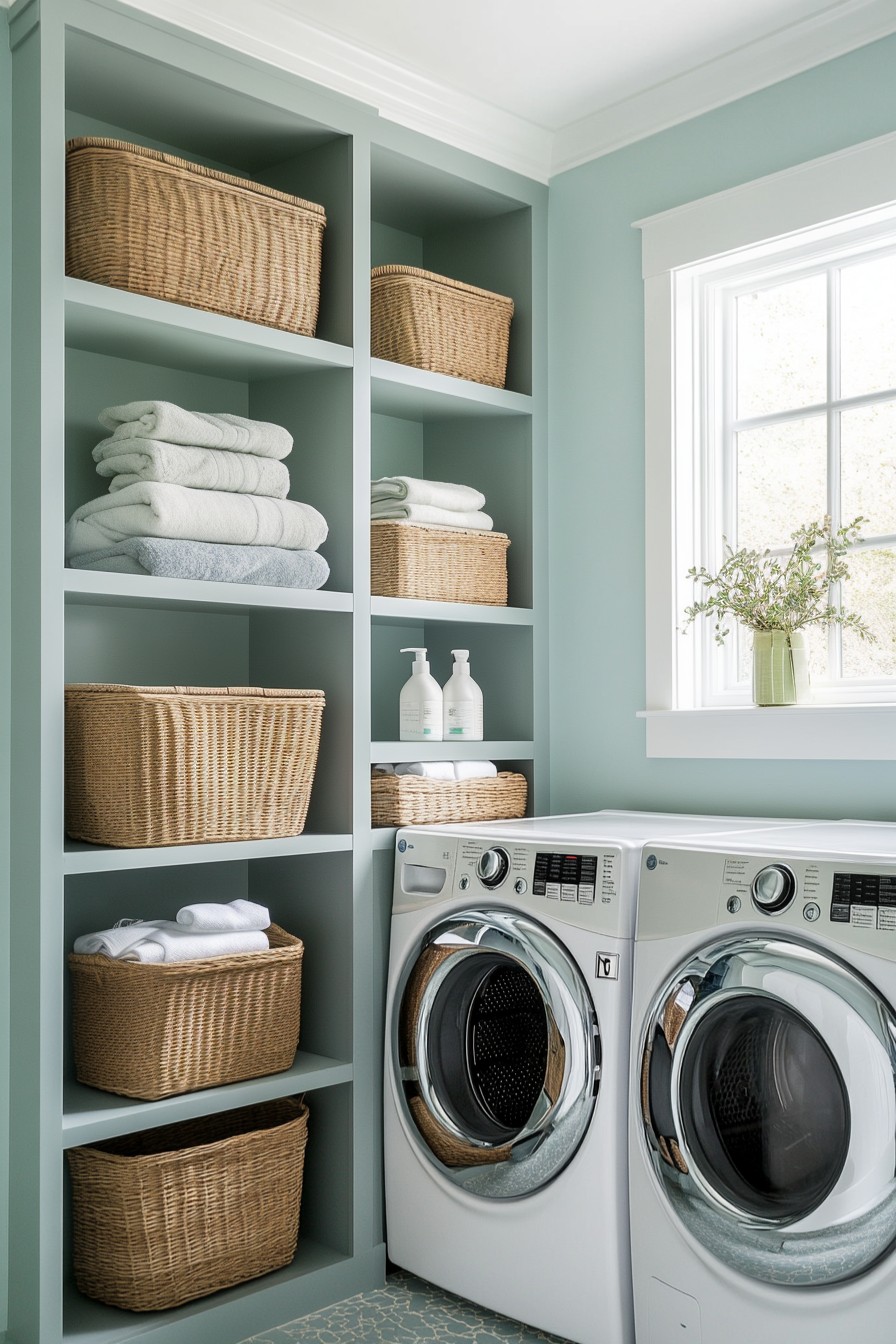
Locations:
{"points": [[495, 1052], [768, 1098]]}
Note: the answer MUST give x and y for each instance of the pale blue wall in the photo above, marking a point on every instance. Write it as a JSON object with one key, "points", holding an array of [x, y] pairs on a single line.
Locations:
{"points": [[597, 446]]}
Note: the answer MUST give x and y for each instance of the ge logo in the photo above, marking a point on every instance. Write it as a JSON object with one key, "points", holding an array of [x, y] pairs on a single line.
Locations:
{"points": [[402, 846], [651, 862]]}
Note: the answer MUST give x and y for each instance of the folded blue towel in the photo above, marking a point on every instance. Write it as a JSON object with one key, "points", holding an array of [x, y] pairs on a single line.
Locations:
{"points": [[170, 558]]}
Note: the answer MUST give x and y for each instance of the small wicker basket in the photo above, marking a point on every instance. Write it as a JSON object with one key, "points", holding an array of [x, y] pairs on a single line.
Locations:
{"points": [[438, 564], [411, 800], [433, 322], [178, 765], [152, 1031], [172, 1214], [156, 224]]}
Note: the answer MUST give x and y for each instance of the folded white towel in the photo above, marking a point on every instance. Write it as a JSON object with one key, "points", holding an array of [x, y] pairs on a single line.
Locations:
{"points": [[412, 490], [392, 510], [176, 943], [172, 424], [130, 460], [156, 509], [427, 769], [230, 916], [383, 769], [115, 942], [475, 770]]}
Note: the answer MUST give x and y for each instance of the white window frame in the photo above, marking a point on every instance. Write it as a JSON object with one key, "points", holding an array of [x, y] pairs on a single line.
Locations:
{"points": [[810, 206]]}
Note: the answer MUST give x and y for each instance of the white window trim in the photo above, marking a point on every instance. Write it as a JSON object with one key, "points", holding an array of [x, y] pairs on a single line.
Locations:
{"points": [[857, 184]]}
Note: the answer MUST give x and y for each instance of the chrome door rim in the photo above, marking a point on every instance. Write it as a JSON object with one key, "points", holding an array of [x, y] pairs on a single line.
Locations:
{"points": [[809, 1248], [524, 1160]]}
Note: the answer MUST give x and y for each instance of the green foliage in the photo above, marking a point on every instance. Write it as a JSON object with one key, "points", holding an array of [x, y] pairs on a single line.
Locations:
{"points": [[768, 592]]}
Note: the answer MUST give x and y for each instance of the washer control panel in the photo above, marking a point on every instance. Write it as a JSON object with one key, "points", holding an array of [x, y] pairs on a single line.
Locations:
{"points": [[865, 900], [569, 877]]}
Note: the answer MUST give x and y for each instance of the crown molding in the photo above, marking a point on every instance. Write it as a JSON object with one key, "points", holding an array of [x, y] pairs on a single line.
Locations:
{"points": [[738, 73], [269, 31]]}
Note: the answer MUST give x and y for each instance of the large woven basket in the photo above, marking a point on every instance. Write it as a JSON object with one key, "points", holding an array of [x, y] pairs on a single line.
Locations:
{"points": [[177, 765], [172, 1214], [153, 1031], [411, 800], [438, 564], [436, 323], [156, 224]]}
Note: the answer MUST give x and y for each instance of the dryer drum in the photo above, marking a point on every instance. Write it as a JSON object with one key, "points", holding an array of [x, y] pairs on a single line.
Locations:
{"points": [[485, 1065]]}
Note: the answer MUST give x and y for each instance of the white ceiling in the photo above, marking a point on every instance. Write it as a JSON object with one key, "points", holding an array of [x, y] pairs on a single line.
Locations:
{"points": [[539, 85]]}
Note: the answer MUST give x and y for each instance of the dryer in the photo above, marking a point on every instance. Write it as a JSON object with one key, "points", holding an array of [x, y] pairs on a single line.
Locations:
{"points": [[506, 1063], [763, 1106]]}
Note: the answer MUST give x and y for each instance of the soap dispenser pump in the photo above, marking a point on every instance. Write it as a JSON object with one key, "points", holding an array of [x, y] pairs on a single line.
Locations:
{"points": [[420, 703], [462, 702]]}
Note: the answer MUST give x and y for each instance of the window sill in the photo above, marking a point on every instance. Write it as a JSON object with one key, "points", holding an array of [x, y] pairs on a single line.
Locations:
{"points": [[786, 733]]}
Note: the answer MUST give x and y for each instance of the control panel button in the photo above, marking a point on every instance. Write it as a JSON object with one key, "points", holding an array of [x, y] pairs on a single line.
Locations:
{"points": [[586, 893], [521, 886], [464, 882], [733, 905], [552, 891], [811, 912], [493, 867], [568, 891]]}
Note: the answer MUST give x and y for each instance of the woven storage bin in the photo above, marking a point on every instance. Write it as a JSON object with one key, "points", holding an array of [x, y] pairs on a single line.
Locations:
{"points": [[411, 800], [172, 1214], [438, 564], [153, 1031], [178, 765], [433, 322], [159, 225]]}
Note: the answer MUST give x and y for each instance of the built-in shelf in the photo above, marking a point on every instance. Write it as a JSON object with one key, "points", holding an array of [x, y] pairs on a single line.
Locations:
{"points": [[417, 394], [91, 1116], [391, 752], [133, 326], [383, 837], [465, 613], [98, 588], [80, 857]]}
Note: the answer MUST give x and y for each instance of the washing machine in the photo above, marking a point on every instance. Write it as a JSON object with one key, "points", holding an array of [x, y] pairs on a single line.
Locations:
{"points": [[506, 1063], [763, 1106]]}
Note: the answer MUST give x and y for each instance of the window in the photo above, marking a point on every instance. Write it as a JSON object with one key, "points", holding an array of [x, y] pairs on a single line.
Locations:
{"points": [[770, 342]]}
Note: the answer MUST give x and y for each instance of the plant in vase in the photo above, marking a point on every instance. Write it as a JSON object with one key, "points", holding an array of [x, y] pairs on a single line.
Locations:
{"points": [[778, 597]]}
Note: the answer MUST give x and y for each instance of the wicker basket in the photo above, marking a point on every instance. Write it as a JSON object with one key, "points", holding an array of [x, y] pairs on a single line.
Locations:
{"points": [[411, 800], [152, 1031], [172, 1214], [177, 765], [438, 564], [159, 225], [433, 322]]}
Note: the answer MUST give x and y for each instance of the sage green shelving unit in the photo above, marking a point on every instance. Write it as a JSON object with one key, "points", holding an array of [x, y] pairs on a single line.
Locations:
{"points": [[96, 67]]}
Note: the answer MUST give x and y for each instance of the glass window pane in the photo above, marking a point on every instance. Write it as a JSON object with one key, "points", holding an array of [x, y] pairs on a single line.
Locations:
{"points": [[868, 467], [781, 481], [870, 592], [868, 327], [781, 347]]}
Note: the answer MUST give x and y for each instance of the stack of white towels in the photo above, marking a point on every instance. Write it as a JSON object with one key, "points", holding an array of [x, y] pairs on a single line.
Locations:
{"points": [[196, 496], [207, 929], [452, 770], [407, 499]]}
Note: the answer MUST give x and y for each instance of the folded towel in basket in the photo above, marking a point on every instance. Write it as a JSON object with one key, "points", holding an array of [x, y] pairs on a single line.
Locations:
{"points": [[427, 769], [393, 510], [161, 940], [156, 509], [475, 770], [230, 916], [215, 562], [130, 460], [442, 494], [115, 942], [442, 769], [172, 424]]}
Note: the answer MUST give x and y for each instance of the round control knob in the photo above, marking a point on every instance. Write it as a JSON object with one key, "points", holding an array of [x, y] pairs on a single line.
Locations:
{"points": [[493, 867], [773, 889]]}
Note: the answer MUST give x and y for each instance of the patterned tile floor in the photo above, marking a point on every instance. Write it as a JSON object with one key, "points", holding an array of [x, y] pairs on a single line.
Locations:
{"points": [[406, 1311]]}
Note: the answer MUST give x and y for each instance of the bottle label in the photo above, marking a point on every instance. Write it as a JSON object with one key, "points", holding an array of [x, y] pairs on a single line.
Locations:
{"points": [[463, 718], [420, 721]]}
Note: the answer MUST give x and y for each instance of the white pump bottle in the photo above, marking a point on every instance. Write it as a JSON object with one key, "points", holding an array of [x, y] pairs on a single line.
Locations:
{"points": [[420, 703], [461, 702]]}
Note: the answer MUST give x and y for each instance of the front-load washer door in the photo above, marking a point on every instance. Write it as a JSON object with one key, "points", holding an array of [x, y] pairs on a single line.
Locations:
{"points": [[768, 1098], [495, 1052]]}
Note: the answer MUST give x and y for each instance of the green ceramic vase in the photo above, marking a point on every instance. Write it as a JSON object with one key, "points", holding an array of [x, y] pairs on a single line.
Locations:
{"points": [[780, 667]]}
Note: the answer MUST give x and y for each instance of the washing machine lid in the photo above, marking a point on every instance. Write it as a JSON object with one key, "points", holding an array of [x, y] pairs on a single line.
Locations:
{"points": [[768, 1100], [495, 1052]]}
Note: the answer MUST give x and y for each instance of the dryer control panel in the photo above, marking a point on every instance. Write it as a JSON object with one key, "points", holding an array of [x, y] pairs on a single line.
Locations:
{"points": [[590, 887]]}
